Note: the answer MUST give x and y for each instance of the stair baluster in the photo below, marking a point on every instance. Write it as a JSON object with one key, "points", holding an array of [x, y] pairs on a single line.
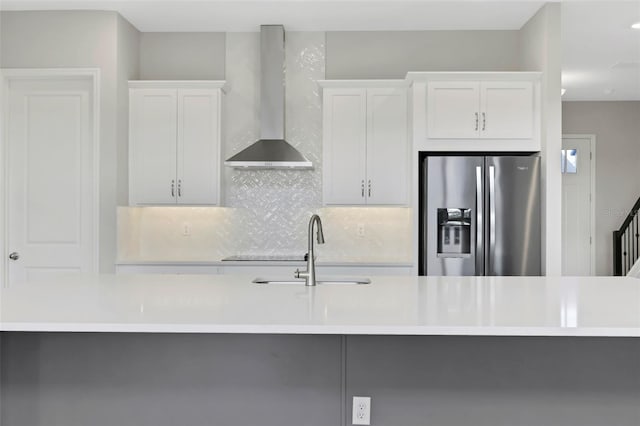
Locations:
{"points": [[626, 242]]}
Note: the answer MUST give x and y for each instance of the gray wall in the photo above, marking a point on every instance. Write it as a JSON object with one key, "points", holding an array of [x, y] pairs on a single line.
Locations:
{"points": [[59, 39], [75, 379], [391, 54], [540, 50], [616, 126], [354, 54], [182, 56], [127, 69]]}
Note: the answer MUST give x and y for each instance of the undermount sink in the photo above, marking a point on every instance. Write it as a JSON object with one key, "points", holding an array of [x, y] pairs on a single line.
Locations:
{"points": [[356, 281]]}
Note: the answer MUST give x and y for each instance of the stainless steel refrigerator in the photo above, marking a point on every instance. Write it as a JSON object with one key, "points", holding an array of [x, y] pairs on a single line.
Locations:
{"points": [[480, 215]]}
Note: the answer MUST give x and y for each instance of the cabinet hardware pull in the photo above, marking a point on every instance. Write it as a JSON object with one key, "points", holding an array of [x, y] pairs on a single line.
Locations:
{"points": [[484, 121], [362, 188], [369, 188], [173, 188], [179, 187], [14, 256], [477, 120]]}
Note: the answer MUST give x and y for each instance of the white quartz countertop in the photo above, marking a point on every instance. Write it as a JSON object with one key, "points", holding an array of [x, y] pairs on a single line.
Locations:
{"points": [[480, 306]]}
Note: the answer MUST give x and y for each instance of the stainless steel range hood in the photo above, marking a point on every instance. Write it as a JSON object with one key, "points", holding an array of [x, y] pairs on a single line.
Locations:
{"points": [[271, 151]]}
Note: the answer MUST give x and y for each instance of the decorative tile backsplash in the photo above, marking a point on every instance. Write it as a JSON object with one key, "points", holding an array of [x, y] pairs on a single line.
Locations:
{"points": [[176, 233], [352, 234], [385, 234], [267, 210]]}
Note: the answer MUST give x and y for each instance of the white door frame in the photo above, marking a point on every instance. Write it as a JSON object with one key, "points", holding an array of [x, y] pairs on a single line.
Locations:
{"points": [[24, 74], [592, 219]]}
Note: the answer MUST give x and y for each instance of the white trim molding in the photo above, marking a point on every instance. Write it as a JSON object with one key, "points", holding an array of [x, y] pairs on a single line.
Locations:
{"points": [[592, 189], [365, 83], [178, 84], [22, 74], [418, 76]]}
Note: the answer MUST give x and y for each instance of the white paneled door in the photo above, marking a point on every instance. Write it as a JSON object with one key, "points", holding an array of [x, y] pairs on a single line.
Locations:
{"points": [[576, 206], [50, 191]]}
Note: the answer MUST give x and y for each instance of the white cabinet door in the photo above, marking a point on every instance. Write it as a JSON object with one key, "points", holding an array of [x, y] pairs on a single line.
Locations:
{"points": [[344, 145], [507, 110], [152, 142], [453, 110], [387, 146], [198, 146]]}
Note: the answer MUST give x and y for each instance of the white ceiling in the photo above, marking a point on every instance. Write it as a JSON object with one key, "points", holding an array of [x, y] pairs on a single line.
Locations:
{"points": [[601, 53], [303, 15], [596, 34]]}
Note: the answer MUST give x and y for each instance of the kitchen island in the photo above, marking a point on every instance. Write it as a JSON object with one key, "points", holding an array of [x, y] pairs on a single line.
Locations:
{"points": [[189, 350]]}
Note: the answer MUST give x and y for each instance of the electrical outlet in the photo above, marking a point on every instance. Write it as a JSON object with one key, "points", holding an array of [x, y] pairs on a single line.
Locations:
{"points": [[186, 229], [361, 230], [361, 410]]}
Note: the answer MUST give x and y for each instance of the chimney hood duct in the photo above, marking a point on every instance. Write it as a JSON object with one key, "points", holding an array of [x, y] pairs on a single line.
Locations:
{"points": [[271, 151]]}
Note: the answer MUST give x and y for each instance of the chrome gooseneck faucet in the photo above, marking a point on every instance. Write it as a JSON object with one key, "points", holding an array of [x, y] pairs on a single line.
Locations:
{"points": [[310, 274]]}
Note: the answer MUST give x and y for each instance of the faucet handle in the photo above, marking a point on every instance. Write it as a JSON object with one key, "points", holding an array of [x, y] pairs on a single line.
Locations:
{"points": [[296, 274]]}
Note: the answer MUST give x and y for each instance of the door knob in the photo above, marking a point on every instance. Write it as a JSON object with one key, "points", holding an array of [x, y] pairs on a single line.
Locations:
{"points": [[14, 256]]}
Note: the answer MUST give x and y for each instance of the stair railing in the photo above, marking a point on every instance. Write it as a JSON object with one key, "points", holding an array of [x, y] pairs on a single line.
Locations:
{"points": [[626, 242]]}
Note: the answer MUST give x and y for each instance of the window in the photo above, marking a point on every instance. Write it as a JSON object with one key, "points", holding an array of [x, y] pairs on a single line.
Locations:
{"points": [[569, 161]]}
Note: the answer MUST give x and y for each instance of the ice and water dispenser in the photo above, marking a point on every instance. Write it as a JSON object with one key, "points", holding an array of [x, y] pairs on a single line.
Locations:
{"points": [[454, 232]]}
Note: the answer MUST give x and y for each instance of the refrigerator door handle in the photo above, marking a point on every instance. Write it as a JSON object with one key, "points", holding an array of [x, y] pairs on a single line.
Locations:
{"points": [[492, 218], [479, 223]]}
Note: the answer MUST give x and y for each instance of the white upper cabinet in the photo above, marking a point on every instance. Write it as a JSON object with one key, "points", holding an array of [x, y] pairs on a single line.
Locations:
{"points": [[365, 145], [476, 111], [480, 110], [174, 143]]}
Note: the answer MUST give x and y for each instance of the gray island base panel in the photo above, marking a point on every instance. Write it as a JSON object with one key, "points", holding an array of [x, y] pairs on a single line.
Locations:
{"points": [[122, 379], [389, 305]]}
